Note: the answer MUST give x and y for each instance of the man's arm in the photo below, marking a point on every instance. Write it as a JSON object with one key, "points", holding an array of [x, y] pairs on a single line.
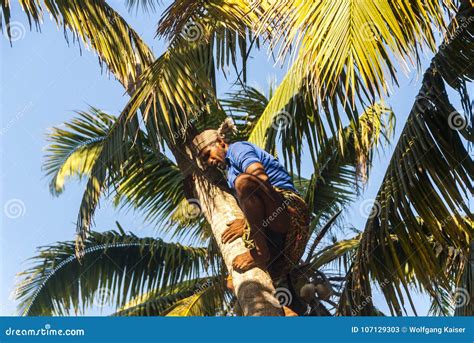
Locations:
{"points": [[235, 229], [248, 162], [258, 170]]}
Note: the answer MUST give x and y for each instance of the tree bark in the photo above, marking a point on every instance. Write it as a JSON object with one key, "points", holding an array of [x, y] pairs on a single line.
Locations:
{"points": [[254, 288]]}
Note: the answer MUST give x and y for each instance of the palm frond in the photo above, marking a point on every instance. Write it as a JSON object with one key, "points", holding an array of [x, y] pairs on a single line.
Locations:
{"points": [[463, 293], [337, 178], [108, 160], [145, 5], [281, 109], [341, 252], [296, 121], [345, 54], [115, 267], [101, 28], [5, 17], [458, 298], [352, 43], [154, 303], [173, 91], [123, 52], [442, 304], [72, 150], [424, 193], [226, 25], [231, 13], [206, 301], [245, 105], [152, 185], [189, 222], [144, 180]]}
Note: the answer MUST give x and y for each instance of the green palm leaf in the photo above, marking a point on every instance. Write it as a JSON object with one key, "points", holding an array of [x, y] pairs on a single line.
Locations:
{"points": [[98, 26], [147, 181], [5, 17], [156, 302], [456, 299], [423, 195], [115, 267], [146, 5], [207, 301], [245, 105], [73, 150], [341, 252], [153, 185], [352, 45], [462, 295], [337, 178], [224, 24], [296, 121]]}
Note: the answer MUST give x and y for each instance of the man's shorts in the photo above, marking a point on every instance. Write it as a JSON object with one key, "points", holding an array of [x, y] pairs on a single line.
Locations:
{"points": [[291, 246]]}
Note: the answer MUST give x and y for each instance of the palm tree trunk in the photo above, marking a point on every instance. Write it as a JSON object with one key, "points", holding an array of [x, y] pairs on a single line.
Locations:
{"points": [[253, 288]]}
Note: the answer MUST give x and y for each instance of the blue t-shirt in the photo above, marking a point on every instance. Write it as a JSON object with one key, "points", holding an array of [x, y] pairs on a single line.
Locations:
{"points": [[240, 155]]}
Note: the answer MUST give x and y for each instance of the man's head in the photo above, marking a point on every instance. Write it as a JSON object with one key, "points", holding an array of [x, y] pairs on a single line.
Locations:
{"points": [[212, 144], [213, 155]]}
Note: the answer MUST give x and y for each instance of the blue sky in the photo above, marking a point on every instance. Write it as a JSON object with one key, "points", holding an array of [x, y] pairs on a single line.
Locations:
{"points": [[43, 81]]}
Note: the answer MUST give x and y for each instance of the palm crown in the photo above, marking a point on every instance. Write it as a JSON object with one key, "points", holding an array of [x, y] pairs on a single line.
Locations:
{"points": [[419, 232]]}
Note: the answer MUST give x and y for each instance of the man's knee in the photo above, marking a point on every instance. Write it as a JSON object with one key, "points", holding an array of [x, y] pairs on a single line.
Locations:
{"points": [[245, 185]]}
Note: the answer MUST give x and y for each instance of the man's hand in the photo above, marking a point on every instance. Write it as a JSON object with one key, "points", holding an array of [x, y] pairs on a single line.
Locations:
{"points": [[235, 229]]}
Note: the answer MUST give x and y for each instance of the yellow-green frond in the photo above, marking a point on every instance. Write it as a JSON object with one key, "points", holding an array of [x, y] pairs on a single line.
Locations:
{"points": [[101, 28]]}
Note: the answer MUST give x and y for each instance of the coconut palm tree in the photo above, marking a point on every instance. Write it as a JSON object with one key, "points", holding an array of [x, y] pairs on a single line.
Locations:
{"points": [[146, 276], [345, 55]]}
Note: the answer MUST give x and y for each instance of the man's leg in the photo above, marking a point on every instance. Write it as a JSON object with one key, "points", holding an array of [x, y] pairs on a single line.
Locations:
{"points": [[264, 209]]}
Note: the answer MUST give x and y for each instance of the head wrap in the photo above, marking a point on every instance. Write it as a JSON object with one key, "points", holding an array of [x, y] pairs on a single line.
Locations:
{"points": [[208, 137]]}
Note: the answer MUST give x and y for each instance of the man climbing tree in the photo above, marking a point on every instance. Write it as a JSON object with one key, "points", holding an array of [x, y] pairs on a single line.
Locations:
{"points": [[275, 229]]}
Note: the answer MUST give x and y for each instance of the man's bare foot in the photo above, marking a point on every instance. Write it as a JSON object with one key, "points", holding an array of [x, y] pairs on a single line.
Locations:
{"points": [[247, 261], [229, 283], [289, 312], [235, 229]]}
